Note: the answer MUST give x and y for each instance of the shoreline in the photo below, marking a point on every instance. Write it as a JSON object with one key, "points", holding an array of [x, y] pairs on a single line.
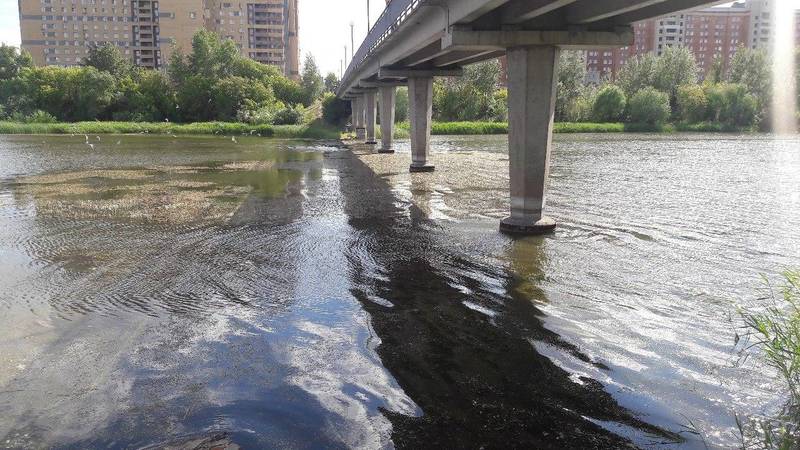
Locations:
{"points": [[321, 131], [306, 131]]}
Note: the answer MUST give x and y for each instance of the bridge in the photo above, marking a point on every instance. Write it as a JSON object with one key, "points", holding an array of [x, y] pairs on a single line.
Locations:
{"points": [[414, 41]]}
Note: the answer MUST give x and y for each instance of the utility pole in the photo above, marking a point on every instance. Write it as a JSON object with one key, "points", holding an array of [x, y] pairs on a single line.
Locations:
{"points": [[367, 17], [352, 42], [341, 69], [345, 54]]}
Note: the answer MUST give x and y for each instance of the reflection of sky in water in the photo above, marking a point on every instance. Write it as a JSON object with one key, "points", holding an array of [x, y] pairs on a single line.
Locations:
{"points": [[240, 315]]}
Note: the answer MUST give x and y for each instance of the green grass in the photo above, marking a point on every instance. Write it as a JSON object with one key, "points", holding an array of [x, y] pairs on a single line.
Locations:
{"points": [[307, 131], [774, 329], [475, 128]]}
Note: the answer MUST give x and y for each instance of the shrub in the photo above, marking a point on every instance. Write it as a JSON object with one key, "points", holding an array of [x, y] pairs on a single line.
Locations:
{"points": [[580, 110], [259, 116], [731, 105], [649, 106], [499, 106], [609, 105], [334, 110], [692, 103], [39, 116], [290, 115]]}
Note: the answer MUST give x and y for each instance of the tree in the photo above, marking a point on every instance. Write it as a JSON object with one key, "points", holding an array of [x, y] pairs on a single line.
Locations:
{"points": [[178, 67], [108, 58], [637, 74], [194, 99], [716, 73], [156, 98], [401, 105], [609, 104], [311, 80], [484, 76], [470, 97], [732, 105], [649, 106], [331, 82], [571, 79], [13, 61], [334, 110], [692, 103], [675, 67], [752, 68], [580, 110], [212, 56], [229, 95]]}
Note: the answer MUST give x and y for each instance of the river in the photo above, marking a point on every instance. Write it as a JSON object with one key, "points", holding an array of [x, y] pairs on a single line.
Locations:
{"points": [[282, 294]]}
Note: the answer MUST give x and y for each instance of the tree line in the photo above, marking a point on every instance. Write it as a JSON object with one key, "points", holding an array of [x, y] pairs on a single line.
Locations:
{"points": [[213, 82], [649, 90], [655, 90]]}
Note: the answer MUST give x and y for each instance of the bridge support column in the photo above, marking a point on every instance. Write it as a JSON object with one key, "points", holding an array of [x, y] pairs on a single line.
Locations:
{"points": [[532, 84], [387, 118], [420, 96], [371, 107], [361, 132]]}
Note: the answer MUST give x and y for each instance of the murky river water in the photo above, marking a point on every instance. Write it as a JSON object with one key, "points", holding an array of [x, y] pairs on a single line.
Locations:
{"points": [[291, 295]]}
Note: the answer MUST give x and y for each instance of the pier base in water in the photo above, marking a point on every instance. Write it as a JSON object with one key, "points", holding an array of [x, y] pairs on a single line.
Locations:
{"points": [[512, 225]]}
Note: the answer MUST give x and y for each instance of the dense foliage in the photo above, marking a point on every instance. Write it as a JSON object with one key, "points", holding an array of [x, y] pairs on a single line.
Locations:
{"points": [[334, 110], [473, 96], [214, 82], [734, 99], [650, 106], [609, 105]]}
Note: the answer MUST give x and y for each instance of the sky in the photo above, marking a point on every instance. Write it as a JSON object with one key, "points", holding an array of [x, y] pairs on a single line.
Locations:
{"points": [[324, 27]]}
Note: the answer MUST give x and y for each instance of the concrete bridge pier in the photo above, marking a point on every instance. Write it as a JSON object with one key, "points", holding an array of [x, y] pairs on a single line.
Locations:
{"points": [[361, 132], [420, 99], [387, 102], [353, 106], [371, 111], [532, 81]]}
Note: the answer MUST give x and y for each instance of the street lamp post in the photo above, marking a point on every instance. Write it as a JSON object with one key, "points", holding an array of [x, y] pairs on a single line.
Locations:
{"points": [[352, 42]]}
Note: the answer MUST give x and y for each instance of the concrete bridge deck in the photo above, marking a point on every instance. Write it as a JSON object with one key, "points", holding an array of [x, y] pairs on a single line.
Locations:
{"points": [[414, 41]]}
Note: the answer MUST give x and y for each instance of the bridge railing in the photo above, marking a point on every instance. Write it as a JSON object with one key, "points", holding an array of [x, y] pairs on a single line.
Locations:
{"points": [[395, 14]]}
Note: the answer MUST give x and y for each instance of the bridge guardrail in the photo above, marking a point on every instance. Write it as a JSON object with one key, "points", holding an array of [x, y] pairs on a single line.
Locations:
{"points": [[394, 15]]}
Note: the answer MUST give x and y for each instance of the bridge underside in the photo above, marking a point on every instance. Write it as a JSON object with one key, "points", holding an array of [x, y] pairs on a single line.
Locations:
{"points": [[417, 40]]}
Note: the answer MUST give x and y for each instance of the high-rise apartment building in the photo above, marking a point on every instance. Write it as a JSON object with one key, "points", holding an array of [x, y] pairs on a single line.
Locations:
{"points": [[710, 34], [60, 32]]}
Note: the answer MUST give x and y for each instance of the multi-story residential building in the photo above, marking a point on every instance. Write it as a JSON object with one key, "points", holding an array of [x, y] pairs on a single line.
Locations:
{"points": [[711, 34], [60, 32], [715, 34], [603, 63]]}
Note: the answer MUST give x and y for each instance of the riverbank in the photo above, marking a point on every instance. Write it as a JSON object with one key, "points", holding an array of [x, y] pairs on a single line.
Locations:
{"points": [[484, 128], [306, 131], [318, 130]]}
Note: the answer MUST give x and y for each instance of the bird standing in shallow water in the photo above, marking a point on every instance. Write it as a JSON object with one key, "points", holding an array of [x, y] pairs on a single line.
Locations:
{"points": [[90, 145], [233, 139]]}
